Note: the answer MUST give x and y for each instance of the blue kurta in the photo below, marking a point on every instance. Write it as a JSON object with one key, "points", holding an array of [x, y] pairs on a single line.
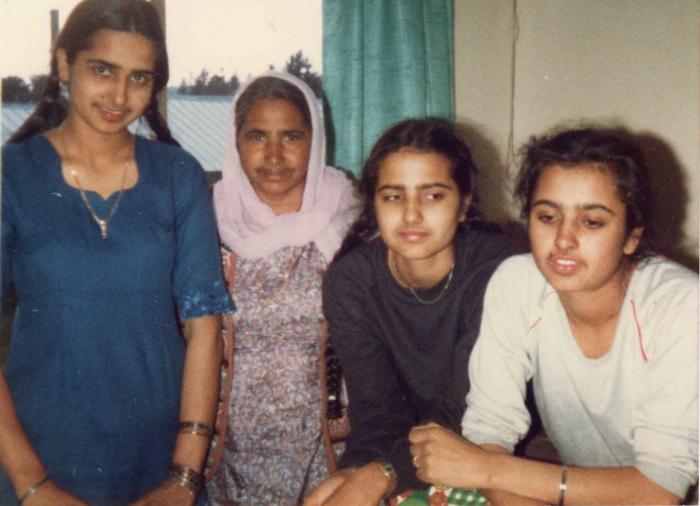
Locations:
{"points": [[96, 358]]}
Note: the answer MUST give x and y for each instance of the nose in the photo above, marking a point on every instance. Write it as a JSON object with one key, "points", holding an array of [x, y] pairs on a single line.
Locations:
{"points": [[273, 152], [566, 236], [412, 211], [121, 92]]}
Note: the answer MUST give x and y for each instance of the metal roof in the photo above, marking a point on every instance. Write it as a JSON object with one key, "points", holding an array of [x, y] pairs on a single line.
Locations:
{"points": [[200, 125]]}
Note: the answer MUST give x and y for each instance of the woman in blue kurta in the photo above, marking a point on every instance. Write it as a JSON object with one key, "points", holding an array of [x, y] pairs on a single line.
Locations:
{"points": [[107, 239]]}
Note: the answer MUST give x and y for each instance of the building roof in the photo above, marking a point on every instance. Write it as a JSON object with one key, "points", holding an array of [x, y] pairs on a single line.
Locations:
{"points": [[200, 125]]}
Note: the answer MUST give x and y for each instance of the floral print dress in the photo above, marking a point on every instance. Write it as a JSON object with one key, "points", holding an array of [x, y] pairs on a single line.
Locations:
{"points": [[274, 452]]}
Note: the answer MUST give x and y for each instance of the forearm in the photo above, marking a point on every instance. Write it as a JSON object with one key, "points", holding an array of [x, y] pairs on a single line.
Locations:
{"points": [[199, 387], [540, 481], [499, 497], [17, 456]]}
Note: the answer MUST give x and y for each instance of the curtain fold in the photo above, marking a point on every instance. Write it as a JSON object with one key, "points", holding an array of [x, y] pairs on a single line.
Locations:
{"points": [[383, 60]]}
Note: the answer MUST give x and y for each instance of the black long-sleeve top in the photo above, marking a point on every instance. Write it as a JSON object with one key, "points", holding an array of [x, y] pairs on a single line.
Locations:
{"points": [[405, 362]]}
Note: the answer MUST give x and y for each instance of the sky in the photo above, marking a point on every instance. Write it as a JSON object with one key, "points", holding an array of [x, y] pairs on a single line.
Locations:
{"points": [[223, 36]]}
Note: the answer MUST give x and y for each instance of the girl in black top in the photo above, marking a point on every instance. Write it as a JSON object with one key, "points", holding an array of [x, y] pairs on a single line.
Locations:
{"points": [[403, 300]]}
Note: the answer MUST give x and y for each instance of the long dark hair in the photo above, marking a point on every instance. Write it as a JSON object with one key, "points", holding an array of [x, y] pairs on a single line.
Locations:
{"points": [[611, 150], [84, 21], [432, 135]]}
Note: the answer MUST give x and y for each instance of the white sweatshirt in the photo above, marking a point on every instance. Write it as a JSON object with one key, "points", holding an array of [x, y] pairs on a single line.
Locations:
{"points": [[635, 406]]}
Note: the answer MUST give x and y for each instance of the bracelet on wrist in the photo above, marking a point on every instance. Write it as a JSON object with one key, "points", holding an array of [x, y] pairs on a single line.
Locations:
{"points": [[185, 477], [389, 472], [33, 489], [195, 428], [562, 485]]}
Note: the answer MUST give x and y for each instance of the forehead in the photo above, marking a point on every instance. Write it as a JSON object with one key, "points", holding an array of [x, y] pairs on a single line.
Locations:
{"points": [[126, 49], [577, 185], [409, 167], [274, 113]]}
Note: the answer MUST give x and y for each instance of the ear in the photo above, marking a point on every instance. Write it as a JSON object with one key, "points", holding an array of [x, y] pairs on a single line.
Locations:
{"points": [[632, 241], [466, 202], [63, 65]]}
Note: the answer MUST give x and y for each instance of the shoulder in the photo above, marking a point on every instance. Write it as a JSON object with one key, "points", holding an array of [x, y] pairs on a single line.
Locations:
{"points": [[27, 151], [519, 275], [356, 269], [171, 157], [660, 286]]}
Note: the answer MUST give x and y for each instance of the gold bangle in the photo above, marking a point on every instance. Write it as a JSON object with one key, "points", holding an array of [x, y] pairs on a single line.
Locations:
{"points": [[185, 477]]}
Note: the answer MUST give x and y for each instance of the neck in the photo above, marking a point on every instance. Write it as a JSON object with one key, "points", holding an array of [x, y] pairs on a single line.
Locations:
{"points": [[288, 203], [424, 273], [84, 143], [598, 308]]}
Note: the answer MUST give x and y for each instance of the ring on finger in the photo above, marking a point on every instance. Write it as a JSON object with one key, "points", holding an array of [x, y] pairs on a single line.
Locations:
{"points": [[415, 461]]}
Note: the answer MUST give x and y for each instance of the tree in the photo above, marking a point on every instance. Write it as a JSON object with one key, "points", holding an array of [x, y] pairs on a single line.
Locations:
{"points": [[183, 89], [233, 84], [298, 65], [14, 89], [200, 83], [217, 85]]}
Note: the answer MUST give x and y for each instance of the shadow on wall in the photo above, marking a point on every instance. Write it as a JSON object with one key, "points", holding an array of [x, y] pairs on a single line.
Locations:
{"points": [[670, 195], [494, 187]]}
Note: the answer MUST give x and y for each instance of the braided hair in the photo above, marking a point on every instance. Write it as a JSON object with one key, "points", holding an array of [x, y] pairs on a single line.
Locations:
{"points": [[83, 23]]}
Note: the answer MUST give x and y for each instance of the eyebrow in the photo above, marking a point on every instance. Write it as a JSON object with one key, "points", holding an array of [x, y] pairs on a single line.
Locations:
{"points": [[114, 66], [402, 187], [579, 207]]}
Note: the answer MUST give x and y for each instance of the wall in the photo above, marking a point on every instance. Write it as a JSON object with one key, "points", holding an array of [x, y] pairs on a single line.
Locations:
{"points": [[632, 63]]}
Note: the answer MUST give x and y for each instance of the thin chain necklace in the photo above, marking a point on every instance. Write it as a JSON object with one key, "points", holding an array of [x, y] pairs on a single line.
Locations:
{"points": [[413, 292], [103, 223]]}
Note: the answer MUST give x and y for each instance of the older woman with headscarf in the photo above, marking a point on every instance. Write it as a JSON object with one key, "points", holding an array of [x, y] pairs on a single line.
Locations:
{"points": [[282, 214]]}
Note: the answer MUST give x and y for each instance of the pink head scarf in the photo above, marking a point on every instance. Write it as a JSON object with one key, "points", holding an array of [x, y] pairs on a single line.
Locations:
{"points": [[250, 227]]}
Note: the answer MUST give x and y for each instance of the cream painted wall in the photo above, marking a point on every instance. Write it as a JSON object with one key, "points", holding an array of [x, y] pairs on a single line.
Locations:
{"points": [[631, 63]]}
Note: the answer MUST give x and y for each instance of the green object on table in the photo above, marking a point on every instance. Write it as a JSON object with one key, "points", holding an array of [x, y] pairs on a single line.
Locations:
{"points": [[440, 496]]}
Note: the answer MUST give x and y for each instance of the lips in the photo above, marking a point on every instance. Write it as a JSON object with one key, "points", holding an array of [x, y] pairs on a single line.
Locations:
{"points": [[564, 265], [274, 174], [413, 236], [113, 115]]}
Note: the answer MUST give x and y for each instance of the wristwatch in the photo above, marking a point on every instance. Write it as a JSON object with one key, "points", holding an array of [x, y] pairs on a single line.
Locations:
{"points": [[388, 471]]}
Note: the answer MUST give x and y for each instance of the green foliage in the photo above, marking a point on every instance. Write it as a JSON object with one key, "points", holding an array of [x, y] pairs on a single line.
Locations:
{"points": [[298, 65], [215, 85], [14, 89]]}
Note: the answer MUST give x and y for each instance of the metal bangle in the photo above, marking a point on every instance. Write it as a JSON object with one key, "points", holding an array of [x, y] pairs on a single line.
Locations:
{"points": [[185, 477], [33, 489], [562, 485], [198, 427]]}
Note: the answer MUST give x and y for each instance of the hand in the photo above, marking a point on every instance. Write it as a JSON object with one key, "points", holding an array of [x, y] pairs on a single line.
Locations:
{"points": [[444, 458], [351, 487], [167, 493], [51, 494]]}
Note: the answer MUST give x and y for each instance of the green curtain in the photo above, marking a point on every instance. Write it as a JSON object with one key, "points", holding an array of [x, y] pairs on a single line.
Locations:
{"points": [[383, 60]]}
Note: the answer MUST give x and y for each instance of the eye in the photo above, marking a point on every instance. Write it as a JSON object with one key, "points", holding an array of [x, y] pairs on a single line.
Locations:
{"points": [[101, 70], [435, 196], [142, 79], [255, 136], [293, 136], [592, 224], [545, 217], [390, 197]]}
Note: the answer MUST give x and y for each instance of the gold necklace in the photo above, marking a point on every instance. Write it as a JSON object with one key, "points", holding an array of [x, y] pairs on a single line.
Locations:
{"points": [[403, 282], [103, 223]]}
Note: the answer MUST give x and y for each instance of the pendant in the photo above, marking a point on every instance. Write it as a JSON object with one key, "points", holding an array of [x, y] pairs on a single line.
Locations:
{"points": [[103, 228]]}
